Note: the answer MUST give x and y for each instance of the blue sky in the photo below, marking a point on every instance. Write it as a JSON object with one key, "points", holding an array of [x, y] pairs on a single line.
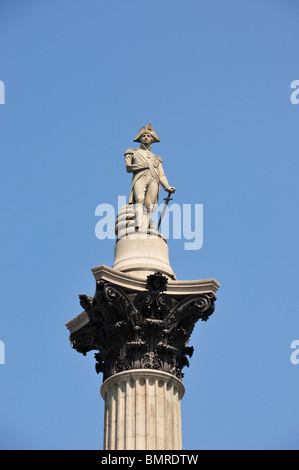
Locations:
{"points": [[81, 77]]}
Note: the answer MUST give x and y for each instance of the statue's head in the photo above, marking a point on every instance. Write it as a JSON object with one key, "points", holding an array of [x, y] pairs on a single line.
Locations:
{"points": [[145, 134], [146, 138]]}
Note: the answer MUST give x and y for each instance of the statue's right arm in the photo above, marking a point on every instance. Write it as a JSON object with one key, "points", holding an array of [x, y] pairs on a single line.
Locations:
{"points": [[132, 166]]}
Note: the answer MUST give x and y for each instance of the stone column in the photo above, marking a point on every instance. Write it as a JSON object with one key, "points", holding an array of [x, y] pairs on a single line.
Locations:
{"points": [[142, 411]]}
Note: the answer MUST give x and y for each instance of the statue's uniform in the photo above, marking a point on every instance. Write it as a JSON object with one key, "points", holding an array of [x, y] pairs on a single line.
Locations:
{"points": [[148, 174]]}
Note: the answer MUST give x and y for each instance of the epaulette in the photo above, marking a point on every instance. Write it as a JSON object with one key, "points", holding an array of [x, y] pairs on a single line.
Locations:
{"points": [[129, 151]]}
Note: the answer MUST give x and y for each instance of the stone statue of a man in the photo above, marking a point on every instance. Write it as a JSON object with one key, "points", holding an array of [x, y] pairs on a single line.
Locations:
{"points": [[148, 174]]}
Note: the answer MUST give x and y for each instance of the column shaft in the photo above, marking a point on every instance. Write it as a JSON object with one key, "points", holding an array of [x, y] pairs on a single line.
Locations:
{"points": [[142, 411]]}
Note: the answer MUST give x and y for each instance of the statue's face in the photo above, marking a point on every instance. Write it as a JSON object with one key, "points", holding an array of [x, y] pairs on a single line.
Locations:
{"points": [[146, 138]]}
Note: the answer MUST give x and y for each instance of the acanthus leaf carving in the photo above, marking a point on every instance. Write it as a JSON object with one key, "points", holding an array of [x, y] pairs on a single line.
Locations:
{"points": [[149, 329]]}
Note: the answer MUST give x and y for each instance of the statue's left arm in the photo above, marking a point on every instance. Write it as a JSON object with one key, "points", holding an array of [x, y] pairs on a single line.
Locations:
{"points": [[163, 180]]}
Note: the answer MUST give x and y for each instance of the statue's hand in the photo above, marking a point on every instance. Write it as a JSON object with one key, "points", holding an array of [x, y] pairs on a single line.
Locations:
{"points": [[170, 189]]}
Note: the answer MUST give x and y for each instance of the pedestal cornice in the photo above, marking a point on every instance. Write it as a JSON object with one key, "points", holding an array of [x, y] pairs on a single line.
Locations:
{"points": [[174, 287]]}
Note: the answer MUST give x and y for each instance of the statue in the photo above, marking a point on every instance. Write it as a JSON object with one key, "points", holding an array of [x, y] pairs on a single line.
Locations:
{"points": [[148, 174]]}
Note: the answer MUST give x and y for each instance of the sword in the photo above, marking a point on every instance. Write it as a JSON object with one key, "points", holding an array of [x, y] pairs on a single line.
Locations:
{"points": [[166, 199]]}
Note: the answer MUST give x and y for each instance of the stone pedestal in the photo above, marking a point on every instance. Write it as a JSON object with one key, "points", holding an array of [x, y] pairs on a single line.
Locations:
{"points": [[142, 411], [143, 252]]}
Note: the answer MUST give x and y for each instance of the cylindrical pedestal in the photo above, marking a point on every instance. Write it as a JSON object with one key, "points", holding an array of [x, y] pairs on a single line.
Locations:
{"points": [[141, 254], [142, 411]]}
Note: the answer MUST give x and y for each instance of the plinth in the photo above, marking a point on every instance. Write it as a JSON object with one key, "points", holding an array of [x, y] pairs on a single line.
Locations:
{"points": [[140, 322]]}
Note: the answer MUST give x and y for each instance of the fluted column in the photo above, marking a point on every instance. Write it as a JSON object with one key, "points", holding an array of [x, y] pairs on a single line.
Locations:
{"points": [[142, 411]]}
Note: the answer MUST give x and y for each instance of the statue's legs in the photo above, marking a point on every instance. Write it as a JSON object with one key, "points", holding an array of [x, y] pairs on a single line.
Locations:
{"points": [[145, 196]]}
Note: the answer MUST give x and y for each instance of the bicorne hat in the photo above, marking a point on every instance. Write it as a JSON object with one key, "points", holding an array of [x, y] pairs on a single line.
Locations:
{"points": [[147, 130]]}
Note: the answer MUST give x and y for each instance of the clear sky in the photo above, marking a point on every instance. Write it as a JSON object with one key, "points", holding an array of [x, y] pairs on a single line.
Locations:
{"points": [[213, 76]]}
